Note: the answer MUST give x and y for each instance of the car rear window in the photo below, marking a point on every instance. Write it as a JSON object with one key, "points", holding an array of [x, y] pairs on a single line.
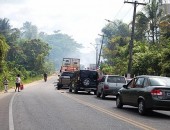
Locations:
{"points": [[162, 81], [89, 74], [115, 79], [67, 74]]}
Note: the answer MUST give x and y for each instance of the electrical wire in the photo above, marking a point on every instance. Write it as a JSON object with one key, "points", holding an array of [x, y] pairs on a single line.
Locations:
{"points": [[127, 13], [119, 11]]}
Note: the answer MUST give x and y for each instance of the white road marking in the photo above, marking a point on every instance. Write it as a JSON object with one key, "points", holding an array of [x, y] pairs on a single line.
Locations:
{"points": [[11, 122]]}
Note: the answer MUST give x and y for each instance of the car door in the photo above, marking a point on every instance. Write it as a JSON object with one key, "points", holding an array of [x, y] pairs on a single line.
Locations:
{"points": [[101, 84], [125, 92], [135, 92]]}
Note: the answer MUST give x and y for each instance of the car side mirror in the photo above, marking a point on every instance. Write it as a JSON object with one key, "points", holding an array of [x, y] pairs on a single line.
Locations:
{"points": [[125, 86]]}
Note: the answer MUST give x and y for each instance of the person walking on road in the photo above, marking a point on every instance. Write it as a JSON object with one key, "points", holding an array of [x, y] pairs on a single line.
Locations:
{"points": [[18, 82], [5, 82], [45, 77]]}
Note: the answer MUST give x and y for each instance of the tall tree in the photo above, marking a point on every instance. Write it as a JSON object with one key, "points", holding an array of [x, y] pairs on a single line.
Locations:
{"points": [[3, 51], [150, 18], [29, 31]]}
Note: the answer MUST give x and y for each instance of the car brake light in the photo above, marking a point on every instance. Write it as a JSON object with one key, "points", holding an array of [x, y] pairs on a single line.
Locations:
{"points": [[106, 87], [156, 92]]}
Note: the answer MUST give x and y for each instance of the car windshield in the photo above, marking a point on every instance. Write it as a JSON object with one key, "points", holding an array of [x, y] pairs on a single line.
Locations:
{"points": [[116, 79], [160, 81], [89, 74], [67, 74]]}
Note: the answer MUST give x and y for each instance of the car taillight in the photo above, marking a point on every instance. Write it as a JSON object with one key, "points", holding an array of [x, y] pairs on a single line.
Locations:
{"points": [[106, 87], [157, 92]]}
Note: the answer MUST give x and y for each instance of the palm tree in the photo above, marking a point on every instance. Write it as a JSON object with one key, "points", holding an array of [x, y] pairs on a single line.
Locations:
{"points": [[4, 27], [150, 20]]}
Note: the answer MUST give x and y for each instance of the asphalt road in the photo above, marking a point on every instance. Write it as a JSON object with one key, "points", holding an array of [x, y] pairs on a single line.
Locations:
{"points": [[42, 107]]}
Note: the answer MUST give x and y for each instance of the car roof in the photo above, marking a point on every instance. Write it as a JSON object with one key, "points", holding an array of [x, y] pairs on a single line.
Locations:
{"points": [[113, 75], [152, 76]]}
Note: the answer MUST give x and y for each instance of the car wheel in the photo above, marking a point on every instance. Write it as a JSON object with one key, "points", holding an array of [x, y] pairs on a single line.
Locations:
{"points": [[141, 107], [70, 90], [58, 87], [75, 88], [103, 95], [98, 94], [119, 103]]}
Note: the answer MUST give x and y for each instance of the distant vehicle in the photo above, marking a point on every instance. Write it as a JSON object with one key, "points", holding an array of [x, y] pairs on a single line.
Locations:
{"points": [[145, 92], [92, 67], [70, 64], [64, 80], [84, 80], [109, 85]]}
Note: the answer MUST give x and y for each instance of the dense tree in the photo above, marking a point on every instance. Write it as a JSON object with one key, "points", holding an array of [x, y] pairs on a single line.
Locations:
{"points": [[34, 54], [62, 46], [116, 28], [3, 51]]}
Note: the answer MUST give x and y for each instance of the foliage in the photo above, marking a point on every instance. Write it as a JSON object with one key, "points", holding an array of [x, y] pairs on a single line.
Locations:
{"points": [[22, 52], [29, 31], [147, 22], [3, 51], [62, 46]]}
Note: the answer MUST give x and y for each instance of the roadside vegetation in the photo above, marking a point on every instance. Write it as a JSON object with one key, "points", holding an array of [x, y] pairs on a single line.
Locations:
{"points": [[29, 53], [151, 50]]}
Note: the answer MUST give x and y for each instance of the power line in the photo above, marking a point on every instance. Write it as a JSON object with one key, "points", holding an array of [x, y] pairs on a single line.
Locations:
{"points": [[119, 11]]}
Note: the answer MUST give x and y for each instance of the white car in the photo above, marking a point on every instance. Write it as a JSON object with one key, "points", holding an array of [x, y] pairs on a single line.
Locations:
{"points": [[109, 85]]}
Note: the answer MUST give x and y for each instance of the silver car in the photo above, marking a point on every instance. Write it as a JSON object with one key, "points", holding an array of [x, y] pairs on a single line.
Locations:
{"points": [[109, 85]]}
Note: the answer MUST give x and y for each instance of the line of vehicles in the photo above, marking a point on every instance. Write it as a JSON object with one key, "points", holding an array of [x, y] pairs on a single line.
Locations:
{"points": [[144, 92]]}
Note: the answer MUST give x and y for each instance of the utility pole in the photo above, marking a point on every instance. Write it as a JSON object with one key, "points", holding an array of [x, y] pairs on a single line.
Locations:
{"points": [[132, 37], [100, 49], [96, 49]]}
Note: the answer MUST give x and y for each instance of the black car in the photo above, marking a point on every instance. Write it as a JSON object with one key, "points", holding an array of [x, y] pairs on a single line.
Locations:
{"points": [[64, 80], [145, 92], [84, 80]]}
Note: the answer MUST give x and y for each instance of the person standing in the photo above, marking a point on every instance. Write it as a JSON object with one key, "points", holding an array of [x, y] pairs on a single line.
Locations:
{"points": [[5, 82], [18, 82]]}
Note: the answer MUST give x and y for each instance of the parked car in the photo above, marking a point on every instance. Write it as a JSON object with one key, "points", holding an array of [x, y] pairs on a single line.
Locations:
{"points": [[109, 85], [64, 80], [84, 80], [145, 92]]}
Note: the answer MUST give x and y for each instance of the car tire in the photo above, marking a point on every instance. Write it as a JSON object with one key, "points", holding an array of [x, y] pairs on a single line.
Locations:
{"points": [[119, 103], [98, 94], [103, 95], [141, 107], [70, 90], [75, 88]]}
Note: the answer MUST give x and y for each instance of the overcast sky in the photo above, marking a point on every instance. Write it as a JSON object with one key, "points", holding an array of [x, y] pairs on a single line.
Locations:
{"points": [[80, 19]]}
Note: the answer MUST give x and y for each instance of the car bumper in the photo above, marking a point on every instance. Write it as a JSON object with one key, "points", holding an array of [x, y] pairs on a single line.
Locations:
{"points": [[159, 104], [109, 92]]}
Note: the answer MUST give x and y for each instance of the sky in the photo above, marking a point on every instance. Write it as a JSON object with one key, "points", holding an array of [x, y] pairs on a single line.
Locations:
{"points": [[83, 20]]}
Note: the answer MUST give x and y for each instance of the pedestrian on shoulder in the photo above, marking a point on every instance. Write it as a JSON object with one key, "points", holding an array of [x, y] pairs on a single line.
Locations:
{"points": [[18, 82], [5, 82]]}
